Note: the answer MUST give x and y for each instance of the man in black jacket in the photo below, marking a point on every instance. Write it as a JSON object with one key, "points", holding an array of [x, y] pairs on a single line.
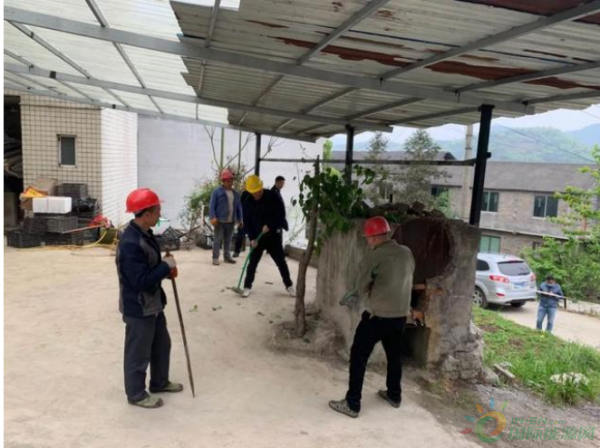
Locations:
{"points": [[264, 214], [142, 301], [279, 184]]}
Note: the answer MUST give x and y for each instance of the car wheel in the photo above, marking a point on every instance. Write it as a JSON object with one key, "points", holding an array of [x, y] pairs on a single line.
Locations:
{"points": [[517, 304], [479, 298]]}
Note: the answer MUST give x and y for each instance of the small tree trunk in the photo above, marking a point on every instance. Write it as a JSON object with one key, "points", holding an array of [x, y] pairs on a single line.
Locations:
{"points": [[300, 311]]}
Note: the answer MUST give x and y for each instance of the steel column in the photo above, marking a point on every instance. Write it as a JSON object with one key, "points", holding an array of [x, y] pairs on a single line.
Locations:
{"points": [[257, 155], [480, 164], [349, 153]]}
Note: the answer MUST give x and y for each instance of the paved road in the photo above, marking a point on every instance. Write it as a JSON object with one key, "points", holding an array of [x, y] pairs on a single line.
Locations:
{"points": [[569, 326]]}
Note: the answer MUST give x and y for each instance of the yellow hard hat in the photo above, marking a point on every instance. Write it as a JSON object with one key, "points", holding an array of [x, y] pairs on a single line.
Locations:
{"points": [[254, 184]]}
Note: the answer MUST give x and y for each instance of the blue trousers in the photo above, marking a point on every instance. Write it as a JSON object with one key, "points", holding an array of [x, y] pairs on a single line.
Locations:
{"points": [[544, 311]]}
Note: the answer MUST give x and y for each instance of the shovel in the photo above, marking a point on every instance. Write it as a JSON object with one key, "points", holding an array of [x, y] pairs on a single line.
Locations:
{"points": [[239, 289]]}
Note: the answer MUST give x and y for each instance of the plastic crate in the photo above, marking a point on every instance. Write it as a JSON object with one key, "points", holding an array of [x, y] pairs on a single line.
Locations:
{"points": [[168, 243], [36, 224], [75, 191], [60, 224], [23, 240], [67, 239]]}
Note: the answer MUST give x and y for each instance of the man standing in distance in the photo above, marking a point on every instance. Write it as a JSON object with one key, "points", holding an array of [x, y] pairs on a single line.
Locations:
{"points": [[225, 211]]}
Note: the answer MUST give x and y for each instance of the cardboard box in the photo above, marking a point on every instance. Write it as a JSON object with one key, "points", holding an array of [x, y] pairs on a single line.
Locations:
{"points": [[47, 186], [27, 204]]}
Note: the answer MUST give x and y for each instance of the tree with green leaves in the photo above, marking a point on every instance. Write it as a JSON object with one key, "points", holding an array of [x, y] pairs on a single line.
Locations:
{"points": [[414, 181], [382, 188], [575, 262]]}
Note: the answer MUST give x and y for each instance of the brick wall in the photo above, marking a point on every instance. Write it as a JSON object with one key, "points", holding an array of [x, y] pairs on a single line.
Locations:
{"points": [[42, 120], [515, 213], [119, 162]]}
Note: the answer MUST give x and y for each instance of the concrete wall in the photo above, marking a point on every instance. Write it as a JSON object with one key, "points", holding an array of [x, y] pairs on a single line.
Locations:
{"points": [[42, 120], [454, 344], [173, 156], [119, 162]]}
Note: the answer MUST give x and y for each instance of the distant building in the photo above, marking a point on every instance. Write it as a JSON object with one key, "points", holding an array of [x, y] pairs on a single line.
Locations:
{"points": [[518, 199]]}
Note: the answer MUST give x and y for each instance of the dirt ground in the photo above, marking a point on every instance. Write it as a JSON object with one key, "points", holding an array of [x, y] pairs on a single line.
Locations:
{"points": [[568, 326], [63, 367]]}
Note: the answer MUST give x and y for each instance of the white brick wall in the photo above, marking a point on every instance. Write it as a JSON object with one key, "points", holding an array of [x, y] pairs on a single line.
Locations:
{"points": [[119, 162], [42, 120], [106, 149]]}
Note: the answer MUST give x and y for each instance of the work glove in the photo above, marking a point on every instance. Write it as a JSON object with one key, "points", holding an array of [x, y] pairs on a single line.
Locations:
{"points": [[350, 298], [214, 221], [170, 260]]}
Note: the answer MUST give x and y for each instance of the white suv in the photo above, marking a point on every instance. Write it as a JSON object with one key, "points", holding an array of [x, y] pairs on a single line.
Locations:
{"points": [[503, 280]]}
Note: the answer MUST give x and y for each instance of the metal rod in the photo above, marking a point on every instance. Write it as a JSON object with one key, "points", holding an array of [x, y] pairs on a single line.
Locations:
{"points": [[349, 153], [257, 155], [185, 344], [469, 162], [482, 156]]}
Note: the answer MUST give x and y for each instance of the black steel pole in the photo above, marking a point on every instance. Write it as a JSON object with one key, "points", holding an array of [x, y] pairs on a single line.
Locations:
{"points": [[480, 164], [257, 156], [349, 153]]}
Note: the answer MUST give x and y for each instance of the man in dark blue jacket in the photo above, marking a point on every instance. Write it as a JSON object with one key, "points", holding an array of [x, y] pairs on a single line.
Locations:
{"points": [[550, 294], [264, 214], [141, 302]]}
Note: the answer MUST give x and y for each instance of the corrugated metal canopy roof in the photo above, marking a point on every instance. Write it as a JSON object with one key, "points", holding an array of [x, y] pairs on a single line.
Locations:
{"points": [[306, 68]]}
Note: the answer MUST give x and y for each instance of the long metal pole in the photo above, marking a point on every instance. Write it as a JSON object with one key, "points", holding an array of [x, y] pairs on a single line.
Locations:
{"points": [[480, 165], [257, 155], [185, 345], [349, 153]]}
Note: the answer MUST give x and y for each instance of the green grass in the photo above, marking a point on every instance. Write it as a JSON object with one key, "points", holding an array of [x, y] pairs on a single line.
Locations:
{"points": [[536, 356]]}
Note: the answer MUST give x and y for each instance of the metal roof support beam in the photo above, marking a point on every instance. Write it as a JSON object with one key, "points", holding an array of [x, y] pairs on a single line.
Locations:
{"points": [[480, 165], [57, 53], [257, 154], [567, 97], [309, 129], [583, 10], [352, 21], [104, 23], [211, 29], [195, 50], [12, 68], [448, 113], [329, 99], [284, 124], [158, 115], [18, 58], [389, 106], [531, 76]]}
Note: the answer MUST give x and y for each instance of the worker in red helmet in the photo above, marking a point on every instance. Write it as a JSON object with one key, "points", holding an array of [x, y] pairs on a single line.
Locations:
{"points": [[142, 301], [225, 211], [386, 281]]}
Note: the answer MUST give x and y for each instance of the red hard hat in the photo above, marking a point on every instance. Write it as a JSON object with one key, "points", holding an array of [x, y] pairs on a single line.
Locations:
{"points": [[141, 199], [226, 174], [375, 226]]}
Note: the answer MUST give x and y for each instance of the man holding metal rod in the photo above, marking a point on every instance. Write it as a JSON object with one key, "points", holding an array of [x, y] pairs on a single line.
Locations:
{"points": [[142, 301]]}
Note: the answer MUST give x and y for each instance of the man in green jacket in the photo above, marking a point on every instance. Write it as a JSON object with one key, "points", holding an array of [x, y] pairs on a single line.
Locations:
{"points": [[386, 280]]}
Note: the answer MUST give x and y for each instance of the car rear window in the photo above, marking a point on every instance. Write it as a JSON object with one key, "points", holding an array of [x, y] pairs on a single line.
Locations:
{"points": [[513, 268]]}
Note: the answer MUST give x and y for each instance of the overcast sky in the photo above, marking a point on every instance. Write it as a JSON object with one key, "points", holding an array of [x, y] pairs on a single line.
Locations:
{"points": [[565, 120]]}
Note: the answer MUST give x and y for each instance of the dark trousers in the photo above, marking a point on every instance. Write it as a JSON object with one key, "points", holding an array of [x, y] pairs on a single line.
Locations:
{"points": [[147, 341], [223, 235], [239, 240], [272, 242], [369, 332]]}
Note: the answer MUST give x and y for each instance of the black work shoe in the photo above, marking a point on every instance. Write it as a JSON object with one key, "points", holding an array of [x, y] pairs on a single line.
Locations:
{"points": [[236, 254], [383, 394], [343, 407], [230, 261], [149, 402], [171, 387]]}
